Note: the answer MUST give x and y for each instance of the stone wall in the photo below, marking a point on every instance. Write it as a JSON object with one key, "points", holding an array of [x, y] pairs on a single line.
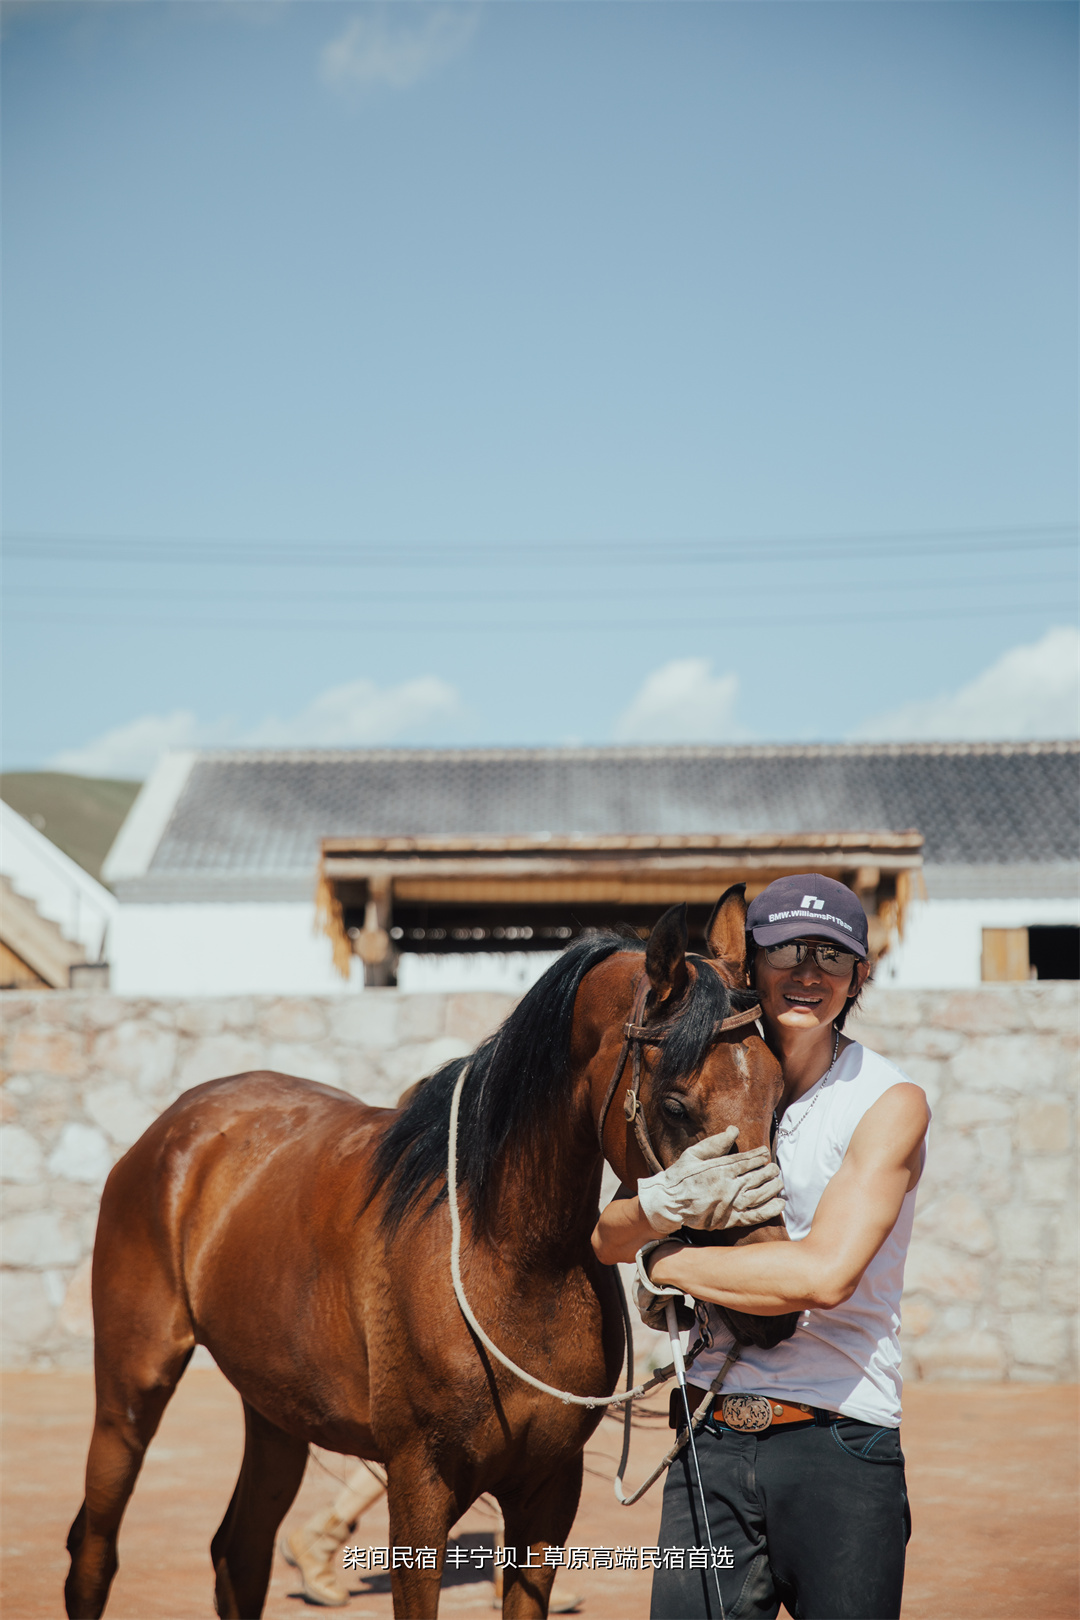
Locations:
{"points": [[992, 1272], [991, 1280]]}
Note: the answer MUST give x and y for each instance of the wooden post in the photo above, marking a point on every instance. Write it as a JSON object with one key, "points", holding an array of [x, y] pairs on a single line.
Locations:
{"points": [[372, 944]]}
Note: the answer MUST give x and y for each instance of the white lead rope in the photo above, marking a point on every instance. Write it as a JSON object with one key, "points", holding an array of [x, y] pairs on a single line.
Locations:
{"points": [[591, 1401]]}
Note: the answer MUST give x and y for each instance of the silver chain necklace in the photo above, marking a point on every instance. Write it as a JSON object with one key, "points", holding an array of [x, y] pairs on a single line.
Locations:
{"points": [[780, 1131]]}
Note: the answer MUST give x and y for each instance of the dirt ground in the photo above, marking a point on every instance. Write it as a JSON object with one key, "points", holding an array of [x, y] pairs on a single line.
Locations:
{"points": [[992, 1473]]}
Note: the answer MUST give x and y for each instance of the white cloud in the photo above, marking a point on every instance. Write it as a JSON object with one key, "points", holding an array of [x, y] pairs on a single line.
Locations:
{"points": [[360, 714], [131, 750], [682, 702], [356, 715], [398, 44], [1029, 692]]}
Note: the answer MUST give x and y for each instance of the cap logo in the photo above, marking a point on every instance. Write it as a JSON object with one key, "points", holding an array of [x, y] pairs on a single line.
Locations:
{"points": [[811, 900], [806, 911]]}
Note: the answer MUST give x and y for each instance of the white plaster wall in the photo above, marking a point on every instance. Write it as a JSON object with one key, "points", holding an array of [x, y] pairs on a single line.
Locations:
{"points": [[226, 948], [506, 972], [273, 948], [942, 944]]}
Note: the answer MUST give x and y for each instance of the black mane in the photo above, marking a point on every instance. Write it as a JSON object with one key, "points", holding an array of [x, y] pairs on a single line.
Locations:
{"points": [[518, 1080], [693, 1029]]}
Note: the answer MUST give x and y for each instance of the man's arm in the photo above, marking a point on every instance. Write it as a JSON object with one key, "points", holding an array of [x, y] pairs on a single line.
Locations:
{"points": [[622, 1229], [858, 1210]]}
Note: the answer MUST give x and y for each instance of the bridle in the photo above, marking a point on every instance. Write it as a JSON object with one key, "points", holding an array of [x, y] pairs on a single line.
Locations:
{"points": [[635, 1036]]}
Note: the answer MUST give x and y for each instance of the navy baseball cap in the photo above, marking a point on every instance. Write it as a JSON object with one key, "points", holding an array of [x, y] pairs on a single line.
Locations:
{"points": [[804, 905]]}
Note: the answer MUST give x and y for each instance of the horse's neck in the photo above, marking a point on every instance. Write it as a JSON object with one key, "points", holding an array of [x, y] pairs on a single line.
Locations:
{"points": [[547, 1199]]}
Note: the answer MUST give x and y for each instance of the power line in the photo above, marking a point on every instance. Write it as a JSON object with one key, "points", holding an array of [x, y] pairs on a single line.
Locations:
{"points": [[818, 588], [232, 553], [728, 617]]}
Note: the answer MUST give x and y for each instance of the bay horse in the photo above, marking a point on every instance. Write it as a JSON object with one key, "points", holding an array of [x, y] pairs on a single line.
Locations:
{"points": [[303, 1238]]}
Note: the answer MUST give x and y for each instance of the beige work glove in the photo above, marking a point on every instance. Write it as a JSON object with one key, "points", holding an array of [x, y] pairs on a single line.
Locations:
{"points": [[711, 1189], [651, 1298]]}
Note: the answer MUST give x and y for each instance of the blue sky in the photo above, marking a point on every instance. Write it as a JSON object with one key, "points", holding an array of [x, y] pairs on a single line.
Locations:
{"points": [[536, 373]]}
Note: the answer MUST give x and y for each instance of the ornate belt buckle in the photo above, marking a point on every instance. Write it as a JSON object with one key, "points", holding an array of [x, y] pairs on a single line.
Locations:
{"points": [[748, 1414]]}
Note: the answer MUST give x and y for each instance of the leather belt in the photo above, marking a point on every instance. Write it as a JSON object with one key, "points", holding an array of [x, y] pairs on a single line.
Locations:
{"points": [[752, 1414], [746, 1414]]}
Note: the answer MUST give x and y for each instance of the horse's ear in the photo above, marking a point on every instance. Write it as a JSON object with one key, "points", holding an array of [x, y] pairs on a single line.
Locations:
{"points": [[725, 933], [665, 956]]}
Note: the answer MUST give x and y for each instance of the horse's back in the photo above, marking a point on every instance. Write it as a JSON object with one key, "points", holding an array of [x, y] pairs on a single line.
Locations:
{"points": [[243, 1204], [247, 1116], [246, 1152], [261, 1136]]}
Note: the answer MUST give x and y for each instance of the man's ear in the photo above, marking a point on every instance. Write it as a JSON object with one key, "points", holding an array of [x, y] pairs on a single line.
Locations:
{"points": [[862, 973], [725, 934], [665, 956]]}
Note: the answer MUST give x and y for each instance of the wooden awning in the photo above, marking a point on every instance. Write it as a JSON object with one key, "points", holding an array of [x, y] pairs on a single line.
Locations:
{"points": [[614, 868]]}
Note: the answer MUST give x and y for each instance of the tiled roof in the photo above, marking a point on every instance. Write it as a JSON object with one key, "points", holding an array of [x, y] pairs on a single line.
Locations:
{"points": [[249, 812]]}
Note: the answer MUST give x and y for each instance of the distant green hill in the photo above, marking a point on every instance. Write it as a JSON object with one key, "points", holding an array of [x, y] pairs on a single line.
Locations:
{"points": [[80, 814]]}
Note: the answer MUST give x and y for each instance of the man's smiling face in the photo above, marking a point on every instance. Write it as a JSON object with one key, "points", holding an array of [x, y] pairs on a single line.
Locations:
{"points": [[802, 997]]}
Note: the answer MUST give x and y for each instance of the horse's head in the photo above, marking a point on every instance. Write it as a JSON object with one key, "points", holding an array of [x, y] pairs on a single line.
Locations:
{"points": [[694, 1053], [694, 1062]]}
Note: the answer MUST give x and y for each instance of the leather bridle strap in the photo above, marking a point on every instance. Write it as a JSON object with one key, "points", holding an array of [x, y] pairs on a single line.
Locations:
{"points": [[639, 1004], [635, 1036], [654, 1037], [633, 1111], [752, 1015]]}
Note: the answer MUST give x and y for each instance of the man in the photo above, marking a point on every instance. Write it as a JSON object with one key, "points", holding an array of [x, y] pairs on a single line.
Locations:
{"points": [[804, 1485]]}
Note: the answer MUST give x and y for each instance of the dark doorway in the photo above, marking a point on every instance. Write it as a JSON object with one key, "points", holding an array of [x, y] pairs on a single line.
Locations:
{"points": [[435, 929], [1054, 953]]}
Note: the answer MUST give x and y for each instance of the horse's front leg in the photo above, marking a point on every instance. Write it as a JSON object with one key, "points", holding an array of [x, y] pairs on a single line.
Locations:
{"points": [[422, 1509], [543, 1518]]}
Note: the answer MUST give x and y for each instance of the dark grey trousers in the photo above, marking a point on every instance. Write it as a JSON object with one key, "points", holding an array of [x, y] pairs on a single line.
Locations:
{"points": [[814, 1516]]}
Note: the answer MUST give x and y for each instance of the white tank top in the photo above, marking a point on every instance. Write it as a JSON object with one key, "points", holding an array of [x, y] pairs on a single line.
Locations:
{"points": [[846, 1359]]}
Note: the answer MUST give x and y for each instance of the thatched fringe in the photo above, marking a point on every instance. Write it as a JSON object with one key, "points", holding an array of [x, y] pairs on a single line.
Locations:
{"points": [[891, 915], [910, 885], [330, 920]]}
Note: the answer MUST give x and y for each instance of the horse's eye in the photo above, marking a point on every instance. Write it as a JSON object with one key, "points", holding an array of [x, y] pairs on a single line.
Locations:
{"points": [[673, 1108]]}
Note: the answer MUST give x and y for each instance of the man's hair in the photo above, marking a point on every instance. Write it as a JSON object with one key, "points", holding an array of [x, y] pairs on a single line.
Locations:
{"points": [[752, 948]]}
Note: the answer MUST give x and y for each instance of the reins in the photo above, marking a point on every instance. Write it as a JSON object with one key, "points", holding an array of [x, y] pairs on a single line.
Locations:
{"points": [[635, 1035]]}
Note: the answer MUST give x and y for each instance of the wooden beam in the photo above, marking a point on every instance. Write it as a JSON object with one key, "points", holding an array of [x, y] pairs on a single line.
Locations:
{"points": [[508, 868], [851, 843], [558, 891]]}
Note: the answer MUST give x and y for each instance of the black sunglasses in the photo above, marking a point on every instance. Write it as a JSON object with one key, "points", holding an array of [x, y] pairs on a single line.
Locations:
{"points": [[793, 953]]}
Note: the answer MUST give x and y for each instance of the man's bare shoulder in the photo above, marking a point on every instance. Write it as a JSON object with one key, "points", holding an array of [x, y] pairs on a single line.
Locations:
{"points": [[893, 1129]]}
